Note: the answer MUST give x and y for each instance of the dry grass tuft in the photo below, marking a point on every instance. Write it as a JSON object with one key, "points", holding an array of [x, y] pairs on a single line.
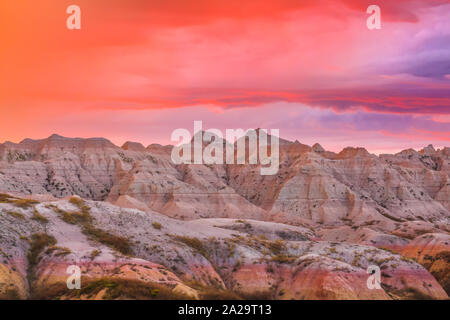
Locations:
{"points": [[38, 242], [16, 215], [194, 243], [39, 217]]}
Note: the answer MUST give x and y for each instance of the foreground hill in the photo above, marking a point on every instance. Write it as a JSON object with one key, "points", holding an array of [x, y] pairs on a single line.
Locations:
{"points": [[128, 253]]}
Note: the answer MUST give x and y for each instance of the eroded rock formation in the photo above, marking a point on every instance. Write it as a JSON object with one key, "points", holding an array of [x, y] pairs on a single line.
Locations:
{"points": [[308, 232]]}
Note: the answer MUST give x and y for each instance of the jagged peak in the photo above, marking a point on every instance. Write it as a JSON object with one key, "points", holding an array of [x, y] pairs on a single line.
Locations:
{"points": [[428, 149], [281, 141], [407, 153], [353, 152], [318, 148], [157, 148], [133, 146], [56, 136]]}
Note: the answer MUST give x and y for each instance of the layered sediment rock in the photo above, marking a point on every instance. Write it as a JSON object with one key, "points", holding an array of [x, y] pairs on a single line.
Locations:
{"points": [[392, 202], [432, 250]]}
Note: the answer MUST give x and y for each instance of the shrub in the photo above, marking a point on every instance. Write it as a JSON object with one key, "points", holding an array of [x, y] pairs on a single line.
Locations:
{"points": [[355, 261], [214, 293], [6, 198], [21, 203], [332, 250], [84, 220], [77, 201], [118, 243], [414, 294], [38, 217], [67, 217], [25, 203], [194, 243], [442, 274], [276, 246], [218, 294], [60, 251], [94, 254], [257, 295], [10, 294], [73, 217], [50, 291], [15, 214], [157, 225], [282, 258], [444, 255]]}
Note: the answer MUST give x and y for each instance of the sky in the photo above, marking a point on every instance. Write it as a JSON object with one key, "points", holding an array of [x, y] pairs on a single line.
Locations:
{"points": [[137, 70]]}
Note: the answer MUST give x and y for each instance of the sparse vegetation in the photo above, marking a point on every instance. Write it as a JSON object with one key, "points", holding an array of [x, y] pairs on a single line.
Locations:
{"points": [[410, 293], [84, 220], [194, 243], [10, 294], [118, 243], [282, 258], [276, 247], [21, 203], [5, 198], [332, 250], [77, 201], [25, 203], [218, 294], [72, 217], [355, 261], [16, 214], [38, 242], [39, 217], [442, 273], [129, 289]]}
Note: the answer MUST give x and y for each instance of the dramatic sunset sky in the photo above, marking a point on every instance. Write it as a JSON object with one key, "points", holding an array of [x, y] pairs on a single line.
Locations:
{"points": [[139, 69]]}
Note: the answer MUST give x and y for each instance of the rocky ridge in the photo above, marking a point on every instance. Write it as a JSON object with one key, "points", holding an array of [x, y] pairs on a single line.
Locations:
{"points": [[392, 203]]}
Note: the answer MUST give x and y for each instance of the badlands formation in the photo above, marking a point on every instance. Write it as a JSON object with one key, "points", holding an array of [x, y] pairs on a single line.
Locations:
{"points": [[140, 227]]}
